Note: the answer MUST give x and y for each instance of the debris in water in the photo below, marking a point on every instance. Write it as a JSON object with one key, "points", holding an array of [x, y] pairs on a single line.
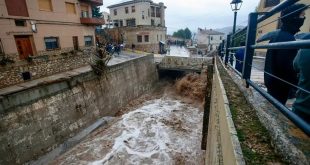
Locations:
{"points": [[192, 86]]}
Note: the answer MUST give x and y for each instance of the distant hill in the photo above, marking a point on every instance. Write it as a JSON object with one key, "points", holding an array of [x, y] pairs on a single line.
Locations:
{"points": [[228, 29]]}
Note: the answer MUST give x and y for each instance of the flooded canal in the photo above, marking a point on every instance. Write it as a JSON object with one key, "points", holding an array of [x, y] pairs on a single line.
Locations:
{"points": [[161, 128]]}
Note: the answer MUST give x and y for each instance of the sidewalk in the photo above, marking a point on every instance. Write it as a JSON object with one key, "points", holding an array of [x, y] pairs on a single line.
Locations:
{"points": [[124, 56]]}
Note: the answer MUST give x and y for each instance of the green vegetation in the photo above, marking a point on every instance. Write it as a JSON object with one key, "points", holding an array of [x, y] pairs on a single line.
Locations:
{"points": [[254, 138], [96, 12], [183, 33]]}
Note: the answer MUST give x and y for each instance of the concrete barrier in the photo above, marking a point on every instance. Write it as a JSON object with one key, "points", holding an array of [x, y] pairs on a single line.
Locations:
{"points": [[35, 120], [184, 63], [223, 146]]}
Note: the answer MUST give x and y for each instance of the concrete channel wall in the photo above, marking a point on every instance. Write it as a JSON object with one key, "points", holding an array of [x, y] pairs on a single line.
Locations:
{"points": [[34, 121], [223, 146]]}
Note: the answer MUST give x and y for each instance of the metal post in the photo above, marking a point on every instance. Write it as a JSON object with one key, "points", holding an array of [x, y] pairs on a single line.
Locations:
{"points": [[249, 51], [235, 20], [227, 50], [222, 49], [231, 58]]}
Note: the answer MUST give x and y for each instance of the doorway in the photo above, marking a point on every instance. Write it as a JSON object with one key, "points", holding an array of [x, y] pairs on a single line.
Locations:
{"points": [[24, 46], [75, 42]]}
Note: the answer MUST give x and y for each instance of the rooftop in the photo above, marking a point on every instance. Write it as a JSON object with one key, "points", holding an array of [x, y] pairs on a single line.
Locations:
{"points": [[133, 2], [209, 32]]}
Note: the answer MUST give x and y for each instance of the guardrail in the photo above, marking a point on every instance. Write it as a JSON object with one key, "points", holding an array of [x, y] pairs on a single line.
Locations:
{"points": [[225, 52]]}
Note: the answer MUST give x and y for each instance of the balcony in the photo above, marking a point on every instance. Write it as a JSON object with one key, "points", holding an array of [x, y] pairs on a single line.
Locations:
{"points": [[92, 21], [93, 2]]}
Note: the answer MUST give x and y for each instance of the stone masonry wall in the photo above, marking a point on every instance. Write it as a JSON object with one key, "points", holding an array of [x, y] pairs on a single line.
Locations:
{"points": [[29, 130], [44, 65]]}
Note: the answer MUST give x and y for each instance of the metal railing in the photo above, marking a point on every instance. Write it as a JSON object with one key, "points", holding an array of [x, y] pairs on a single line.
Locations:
{"points": [[225, 53]]}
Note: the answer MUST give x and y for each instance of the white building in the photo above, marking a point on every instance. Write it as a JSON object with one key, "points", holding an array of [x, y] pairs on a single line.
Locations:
{"points": [[209, 39], [142, 22], [107, 20]]}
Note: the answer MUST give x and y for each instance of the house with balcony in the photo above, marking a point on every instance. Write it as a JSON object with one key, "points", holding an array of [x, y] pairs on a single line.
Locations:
{"points": [[274, 23], [142, 24], [43, 30]]}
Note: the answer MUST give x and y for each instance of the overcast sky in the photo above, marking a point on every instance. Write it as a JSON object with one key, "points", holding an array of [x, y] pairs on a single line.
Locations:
{"points": [[199, 13]]}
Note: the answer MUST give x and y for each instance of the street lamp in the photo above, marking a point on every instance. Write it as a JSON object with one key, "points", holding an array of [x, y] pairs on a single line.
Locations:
{"points": [[235, 6]]}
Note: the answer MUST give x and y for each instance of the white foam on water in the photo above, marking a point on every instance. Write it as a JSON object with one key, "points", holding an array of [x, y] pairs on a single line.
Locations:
{"points": [[163, 131]]}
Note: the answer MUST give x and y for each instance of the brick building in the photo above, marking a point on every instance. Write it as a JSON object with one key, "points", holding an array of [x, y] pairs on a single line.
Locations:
{"points": [[43, 30]]}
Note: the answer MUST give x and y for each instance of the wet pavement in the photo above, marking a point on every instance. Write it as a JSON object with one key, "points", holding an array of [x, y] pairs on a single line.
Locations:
{"points": [[162, 131]]}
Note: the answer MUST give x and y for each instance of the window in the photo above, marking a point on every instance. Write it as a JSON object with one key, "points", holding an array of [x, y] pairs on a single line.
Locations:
{"points": [[157, 37], [84, 11], [133, 9], [142, 14], [221, 38], [126, 10], [45, 5], [20, 22], [270, 3], [115, 12], [121, 23], [88, 40], [152, 22], [16, 7], [131, 22], [157, 12], [146, 38], [139, 38], [116, 23], [70, 8], [51, 43], [161, 37], [211, 38], [152, 11]]}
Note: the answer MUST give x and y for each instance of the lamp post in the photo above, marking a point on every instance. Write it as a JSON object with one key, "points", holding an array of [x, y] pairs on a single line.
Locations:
{"points": [[235, 6]]}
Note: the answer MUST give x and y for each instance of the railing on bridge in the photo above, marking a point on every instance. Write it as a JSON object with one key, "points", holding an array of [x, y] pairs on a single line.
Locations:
{"points": [[227, 48]]}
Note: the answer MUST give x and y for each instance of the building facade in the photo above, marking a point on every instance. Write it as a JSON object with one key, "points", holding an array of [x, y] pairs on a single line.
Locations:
{"points": [[44, 37], [40, 27], [266, 25], [142, 23], [208, 39]]}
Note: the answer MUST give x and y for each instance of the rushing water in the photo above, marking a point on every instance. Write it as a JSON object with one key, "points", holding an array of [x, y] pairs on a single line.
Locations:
{"points": [[178, 51], [162, 131]]}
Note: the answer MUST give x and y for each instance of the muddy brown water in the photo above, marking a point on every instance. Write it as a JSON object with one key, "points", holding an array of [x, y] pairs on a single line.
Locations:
{"points": [[160, 127]]}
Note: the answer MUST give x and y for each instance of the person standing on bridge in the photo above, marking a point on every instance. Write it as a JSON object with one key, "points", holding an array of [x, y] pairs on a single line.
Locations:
{"points": [[301, 106], [279, 62]]}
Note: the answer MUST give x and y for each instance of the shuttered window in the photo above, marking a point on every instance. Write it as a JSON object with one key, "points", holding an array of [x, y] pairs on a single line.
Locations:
{"points": [[70, 8], [45, 5], [17, 7]]}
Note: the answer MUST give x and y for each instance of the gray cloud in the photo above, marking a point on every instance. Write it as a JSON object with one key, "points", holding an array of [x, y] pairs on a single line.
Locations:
{"points": [[200, 13]]}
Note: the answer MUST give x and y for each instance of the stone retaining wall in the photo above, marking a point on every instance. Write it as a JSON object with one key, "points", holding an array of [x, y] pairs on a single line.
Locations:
{"points": [[35, 121], [46, 64]]}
